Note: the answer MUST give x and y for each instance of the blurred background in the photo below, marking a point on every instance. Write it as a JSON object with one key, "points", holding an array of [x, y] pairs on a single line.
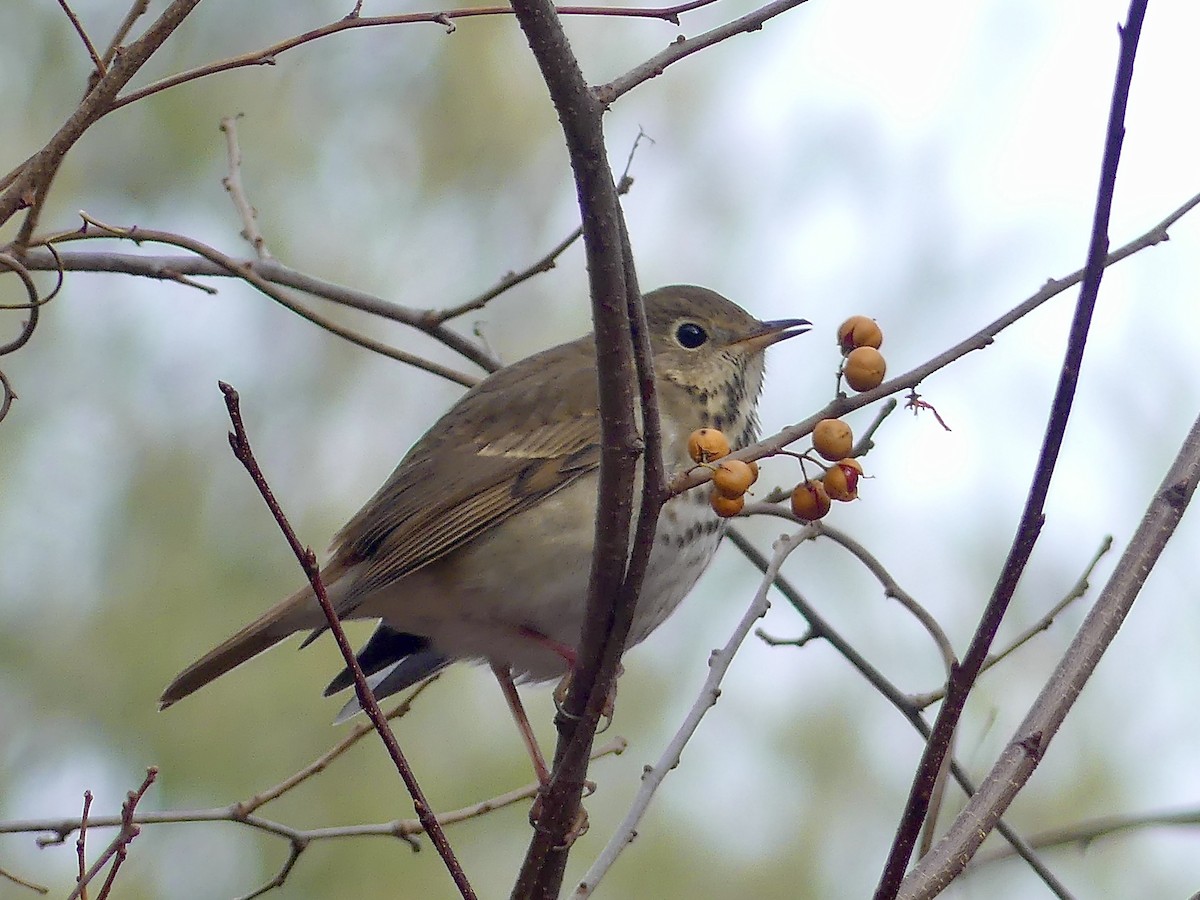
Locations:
{"points": [[929, 165]]}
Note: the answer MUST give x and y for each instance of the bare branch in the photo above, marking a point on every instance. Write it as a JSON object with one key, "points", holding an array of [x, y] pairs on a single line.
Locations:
{"points": [[1029, 743], [677, 50], [512, 279], [718, 665], [83, 36], [446, 18], [247, 274], [893, 591], [117, 850], [240, 444], [21, 882], [1085, 832], [173, 268], [623, 362], [981, 339], [820, 628], [136, 11], [299, 840], [1077, 591], [1029, 527], [28, 185], [81, 845], [237, 191]]}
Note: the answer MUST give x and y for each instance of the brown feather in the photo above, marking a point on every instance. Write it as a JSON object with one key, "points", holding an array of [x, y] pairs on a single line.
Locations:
{"points": [[475, 469]]}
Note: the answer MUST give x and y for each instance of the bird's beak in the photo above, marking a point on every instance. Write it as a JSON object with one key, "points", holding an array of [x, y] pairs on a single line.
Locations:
{"points": [[768, 333]]}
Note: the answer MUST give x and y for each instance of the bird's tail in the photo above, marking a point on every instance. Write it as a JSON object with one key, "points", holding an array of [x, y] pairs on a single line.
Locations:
{"points": [[298, 612]]}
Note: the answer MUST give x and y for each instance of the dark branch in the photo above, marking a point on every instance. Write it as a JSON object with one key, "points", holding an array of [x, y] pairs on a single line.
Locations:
{"points": [[962, 680]]}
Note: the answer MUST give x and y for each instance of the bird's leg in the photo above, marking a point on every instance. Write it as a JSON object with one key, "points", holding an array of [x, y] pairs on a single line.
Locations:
{"points": [[610, 702], [513, 699], [568, 655]]}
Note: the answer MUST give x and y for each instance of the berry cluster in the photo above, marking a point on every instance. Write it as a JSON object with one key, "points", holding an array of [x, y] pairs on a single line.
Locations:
{"points": [[731, 477], [863, 368]]}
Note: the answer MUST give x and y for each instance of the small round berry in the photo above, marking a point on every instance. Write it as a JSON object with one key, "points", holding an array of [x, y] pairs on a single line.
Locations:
{"points": [[864, 368], [810, 501], [753, 471], [841, 480], [707, 444], [726, 507], [732, 477], [859, 331], [833, 439]]}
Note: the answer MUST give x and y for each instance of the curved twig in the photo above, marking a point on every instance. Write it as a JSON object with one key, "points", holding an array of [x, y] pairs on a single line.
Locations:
{"points": [[247, 274], [34, 306]]}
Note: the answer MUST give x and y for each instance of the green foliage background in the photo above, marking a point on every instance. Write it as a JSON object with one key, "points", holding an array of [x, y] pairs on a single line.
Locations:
{"points": [[845, 159]]}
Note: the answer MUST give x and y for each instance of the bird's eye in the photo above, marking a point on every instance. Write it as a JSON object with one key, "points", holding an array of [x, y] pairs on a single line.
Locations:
{"points": [[690, 335]]}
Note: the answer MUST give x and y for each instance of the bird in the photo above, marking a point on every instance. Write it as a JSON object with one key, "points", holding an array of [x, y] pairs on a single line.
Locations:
{"points": [[479, 544]]}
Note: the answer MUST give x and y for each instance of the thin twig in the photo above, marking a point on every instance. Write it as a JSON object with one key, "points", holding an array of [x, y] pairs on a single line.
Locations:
{"points": [[247, 274], [818, 627], [866, 441], [512, 279], [893, 591], [172, 268], [718, 665], [678, 49], [117, 850], [979, 340], [13, 264], [29, 184], [1044, 622], [1028, 745], [240, 444], [1085, 832], [7, 395], [136, 11], [403, 829], [83, 36], [81, 845], [322, 762], [21, 882], [268, 56], [1029, 527], [237, 190]]}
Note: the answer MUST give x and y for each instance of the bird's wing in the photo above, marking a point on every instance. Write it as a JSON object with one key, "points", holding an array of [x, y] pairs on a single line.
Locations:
{"points": [[512, 440]]}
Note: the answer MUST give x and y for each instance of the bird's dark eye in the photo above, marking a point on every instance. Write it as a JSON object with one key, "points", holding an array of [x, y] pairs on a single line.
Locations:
{"points": [[690, 335]]}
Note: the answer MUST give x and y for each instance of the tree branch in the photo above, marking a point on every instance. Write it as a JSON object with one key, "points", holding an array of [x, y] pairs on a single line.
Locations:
{"points": [[963, 679], [611, 596], [240, 444], [1031, 739]]}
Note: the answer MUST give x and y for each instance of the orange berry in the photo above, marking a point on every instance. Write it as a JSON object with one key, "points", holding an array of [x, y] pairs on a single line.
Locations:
{"points": [[864, 368], [833, 439], [732, 477], [859, 331], [726, 507], [841, 480], [707, 444], [753, 471], [810, 501]]}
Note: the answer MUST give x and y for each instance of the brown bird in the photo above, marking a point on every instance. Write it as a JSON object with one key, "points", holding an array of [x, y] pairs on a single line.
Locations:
{"points": [[478, 546]]}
